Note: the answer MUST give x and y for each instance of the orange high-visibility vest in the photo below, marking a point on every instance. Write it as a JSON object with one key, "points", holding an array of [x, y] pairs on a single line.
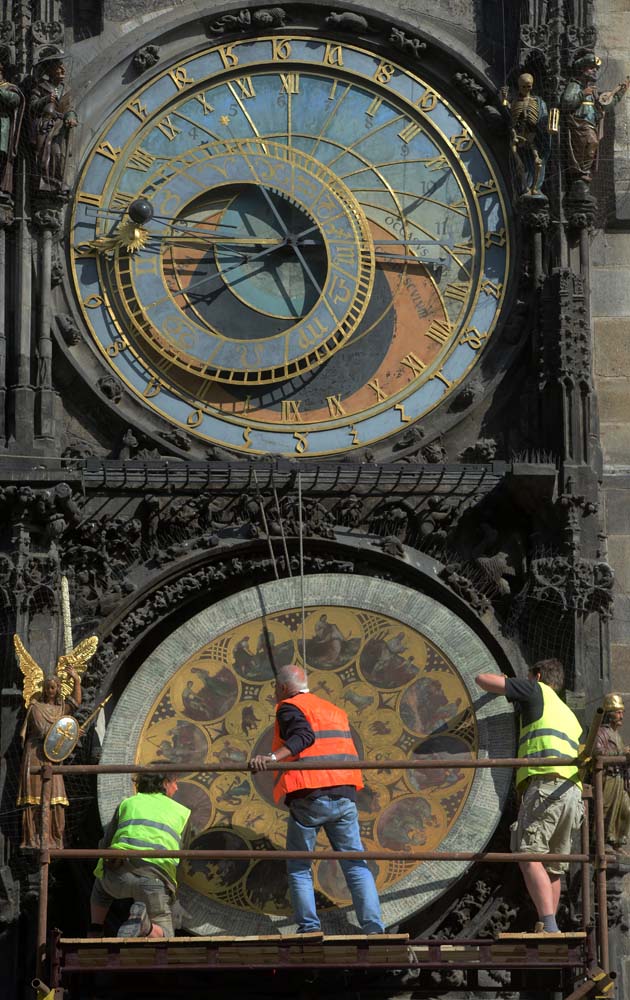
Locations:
{"points": [[333, 742]]}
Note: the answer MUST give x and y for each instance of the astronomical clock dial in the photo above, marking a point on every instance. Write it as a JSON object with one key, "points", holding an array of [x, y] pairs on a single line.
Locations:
{"points": [[328, 253]]}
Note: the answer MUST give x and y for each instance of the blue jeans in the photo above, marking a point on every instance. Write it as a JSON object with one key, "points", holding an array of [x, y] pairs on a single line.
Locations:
{"points": [[340, 820]]}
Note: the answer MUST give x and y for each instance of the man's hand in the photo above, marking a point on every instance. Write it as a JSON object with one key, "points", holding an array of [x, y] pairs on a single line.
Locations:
{"points": [[261, 762]]}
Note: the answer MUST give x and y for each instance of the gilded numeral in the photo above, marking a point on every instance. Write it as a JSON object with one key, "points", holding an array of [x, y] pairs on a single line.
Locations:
{"points": [[180, 77], [474, 338], [340, 290], [247, 437], [463, 248], [414, 363], [409, 132], [333, 90], [404, 419], [280, 49], [484, 188], [301, 442], [491, 288], [442, 378], [439, 331], [115, 349], [194, 419], [334, 406], [291, 411], [138, 109], [462, 142], [311, 332], [375, 387], [428, 100], [290, 82], [141, 160], [108, 151], [227, 56], [167, 128], [246, 86], [343, 256], [495, 239], [384, 72], [437, 163], [93, 301], [89, 199], [457, 290], [121, 200], [333, 55], [145, 265], [355, 435], [207, 108], [374, 106], [153, 388]]}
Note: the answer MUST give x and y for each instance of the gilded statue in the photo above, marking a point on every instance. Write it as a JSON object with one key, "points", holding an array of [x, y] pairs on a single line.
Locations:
{"points": [[47, 701]]}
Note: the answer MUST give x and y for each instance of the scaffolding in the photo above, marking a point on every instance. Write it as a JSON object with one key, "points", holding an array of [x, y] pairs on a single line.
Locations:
{"points": [[580, 960]]}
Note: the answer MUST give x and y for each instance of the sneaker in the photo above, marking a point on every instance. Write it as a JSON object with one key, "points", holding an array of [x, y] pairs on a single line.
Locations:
{"points": [[137, 923], [539, 928]]}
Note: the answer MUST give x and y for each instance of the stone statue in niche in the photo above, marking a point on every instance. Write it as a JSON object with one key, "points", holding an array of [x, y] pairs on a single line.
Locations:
{"points": [[11, 113], [530, 139], [52, 118], [585, 108]]}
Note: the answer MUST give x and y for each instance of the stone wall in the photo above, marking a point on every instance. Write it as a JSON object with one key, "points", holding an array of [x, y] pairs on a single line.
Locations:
{"points": [[611, 324]]}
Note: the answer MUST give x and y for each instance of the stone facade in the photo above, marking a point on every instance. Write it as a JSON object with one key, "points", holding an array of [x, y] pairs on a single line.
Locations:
{"points": [[507, 507]]}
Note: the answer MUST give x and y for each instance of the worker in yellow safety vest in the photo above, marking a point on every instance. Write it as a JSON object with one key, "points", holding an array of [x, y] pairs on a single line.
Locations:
{"points": [[551, 797], [150, 819]]}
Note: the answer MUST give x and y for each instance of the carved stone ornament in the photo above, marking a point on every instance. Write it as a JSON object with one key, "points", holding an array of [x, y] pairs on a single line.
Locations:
{"points": [[347, 20], [48, 217], [111, 388], [145, 58], [573, 584], [263, 18], [565, 352], [408, 44], [455, 577], [68, 329], [47, 32]]}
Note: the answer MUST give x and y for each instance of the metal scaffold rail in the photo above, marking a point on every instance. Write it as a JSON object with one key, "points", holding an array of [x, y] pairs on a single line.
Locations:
{"points": [[580, 959]]}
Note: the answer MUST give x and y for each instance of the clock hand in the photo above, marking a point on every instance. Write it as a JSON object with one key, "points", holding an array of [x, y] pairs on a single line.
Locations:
{"points": [[218, 238], [212, 277]]}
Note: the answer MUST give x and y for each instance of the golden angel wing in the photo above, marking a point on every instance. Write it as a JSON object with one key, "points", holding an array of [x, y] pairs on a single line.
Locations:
{"points": [[33, 673], [78, 658]]}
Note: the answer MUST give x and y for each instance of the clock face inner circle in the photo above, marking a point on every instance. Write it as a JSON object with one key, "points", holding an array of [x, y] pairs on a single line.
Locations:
{"points": [[402, 246], [254, 284]]}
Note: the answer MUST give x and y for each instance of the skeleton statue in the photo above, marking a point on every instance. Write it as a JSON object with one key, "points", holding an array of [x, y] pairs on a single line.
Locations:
{"points": [[530, 140]]}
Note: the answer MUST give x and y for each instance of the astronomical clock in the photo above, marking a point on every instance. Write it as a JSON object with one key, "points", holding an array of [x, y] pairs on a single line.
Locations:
{"points": [[290, 245]]}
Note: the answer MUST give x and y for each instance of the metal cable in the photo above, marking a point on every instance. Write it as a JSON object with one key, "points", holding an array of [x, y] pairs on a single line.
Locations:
{"points": [[264, 520], [299, 483]]}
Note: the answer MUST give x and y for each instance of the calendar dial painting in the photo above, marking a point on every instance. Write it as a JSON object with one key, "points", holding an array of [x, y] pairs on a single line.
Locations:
{"points": [[404, 699]]}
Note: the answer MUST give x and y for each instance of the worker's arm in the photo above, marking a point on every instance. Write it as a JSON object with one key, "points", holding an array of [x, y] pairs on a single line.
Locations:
{"points": [[296, 732], [492, 683]]}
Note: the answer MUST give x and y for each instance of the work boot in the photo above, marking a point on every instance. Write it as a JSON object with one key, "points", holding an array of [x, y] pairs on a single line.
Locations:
{"points": [[137, 923]]}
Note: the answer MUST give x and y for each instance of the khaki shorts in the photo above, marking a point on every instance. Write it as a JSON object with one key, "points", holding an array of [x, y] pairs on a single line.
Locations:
{"points": [[551, 810]]}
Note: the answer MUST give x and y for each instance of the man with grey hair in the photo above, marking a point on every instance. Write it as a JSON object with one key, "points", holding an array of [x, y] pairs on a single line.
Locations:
{"points": [[311, 728]]}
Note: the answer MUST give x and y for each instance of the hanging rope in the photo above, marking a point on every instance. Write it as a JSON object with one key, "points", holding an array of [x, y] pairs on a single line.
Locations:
{"points": [[299, 479], [266, 527], [284, 537]]}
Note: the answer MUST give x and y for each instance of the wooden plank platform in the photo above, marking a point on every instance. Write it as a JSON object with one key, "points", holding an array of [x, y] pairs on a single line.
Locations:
{"points": [[313, 949]]}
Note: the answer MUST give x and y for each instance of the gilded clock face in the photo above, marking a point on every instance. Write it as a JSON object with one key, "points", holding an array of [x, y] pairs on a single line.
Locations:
{"points": [[328, 255]]}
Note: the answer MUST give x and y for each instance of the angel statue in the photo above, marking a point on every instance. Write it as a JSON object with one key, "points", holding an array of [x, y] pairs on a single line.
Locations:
{"points": [[46, 701]]}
